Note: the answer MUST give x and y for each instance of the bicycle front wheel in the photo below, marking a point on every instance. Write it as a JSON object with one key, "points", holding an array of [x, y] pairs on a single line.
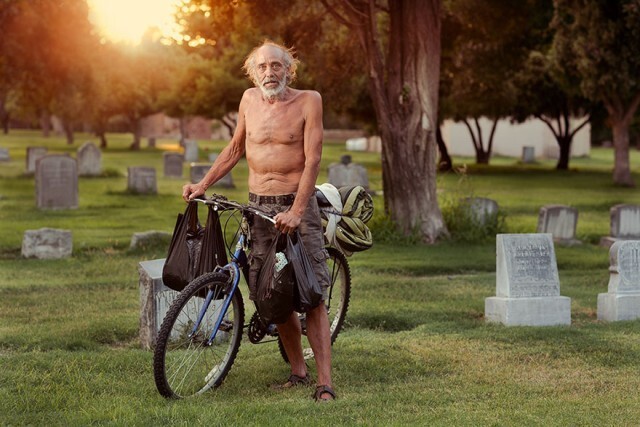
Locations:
{"points": [[186, 360]]}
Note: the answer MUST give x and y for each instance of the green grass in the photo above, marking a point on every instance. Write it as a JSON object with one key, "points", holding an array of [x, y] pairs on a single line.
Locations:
{"points": [[416, 349]]}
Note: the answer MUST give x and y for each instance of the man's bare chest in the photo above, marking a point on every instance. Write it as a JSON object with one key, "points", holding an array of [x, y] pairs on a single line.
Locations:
{"points": [[268, 124]]}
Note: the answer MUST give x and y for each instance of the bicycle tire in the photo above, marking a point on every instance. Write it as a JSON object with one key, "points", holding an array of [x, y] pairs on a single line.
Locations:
{"points": [[183, 365], [338, 301]]}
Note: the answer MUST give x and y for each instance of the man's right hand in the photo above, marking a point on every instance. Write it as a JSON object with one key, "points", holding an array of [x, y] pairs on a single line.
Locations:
{"points": [[191, 191]]}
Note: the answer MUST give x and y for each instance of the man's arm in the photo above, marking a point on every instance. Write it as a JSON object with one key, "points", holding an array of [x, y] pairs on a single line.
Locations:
{"points": [[288, 221], [227, 159]]}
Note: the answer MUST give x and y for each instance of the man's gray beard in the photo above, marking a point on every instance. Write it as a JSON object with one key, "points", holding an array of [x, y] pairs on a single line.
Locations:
{"points": [[276, 92]]}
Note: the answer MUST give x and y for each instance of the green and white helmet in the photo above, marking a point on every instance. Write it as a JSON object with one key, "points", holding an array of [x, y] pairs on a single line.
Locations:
{"points": [[344, 213]]}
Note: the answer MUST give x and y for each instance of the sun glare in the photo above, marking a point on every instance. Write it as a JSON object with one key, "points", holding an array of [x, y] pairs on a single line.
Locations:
{"points": [[128, 20]]}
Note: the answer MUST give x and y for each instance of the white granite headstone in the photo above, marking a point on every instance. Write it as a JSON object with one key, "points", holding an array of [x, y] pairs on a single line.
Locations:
{"points": [[356, 144], [142, 180], [56, 182], [527, 283], [155, 301], [622, 301], [625, 221], [624, 225], [89, 160], [560, 221]]}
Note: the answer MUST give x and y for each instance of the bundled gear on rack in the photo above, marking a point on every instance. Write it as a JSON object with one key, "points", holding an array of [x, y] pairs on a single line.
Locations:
{"points": [[345, 212]]}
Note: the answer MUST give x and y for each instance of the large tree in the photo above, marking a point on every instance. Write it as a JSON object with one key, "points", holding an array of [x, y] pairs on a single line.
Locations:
{"points": [[401, 43], [600, 40], [489, 42], [555, 99], [44, 57], [393, 49]]}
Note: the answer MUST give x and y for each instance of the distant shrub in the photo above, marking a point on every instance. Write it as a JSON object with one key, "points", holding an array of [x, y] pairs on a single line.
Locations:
{"points": [[385, 230], [464, 223]]}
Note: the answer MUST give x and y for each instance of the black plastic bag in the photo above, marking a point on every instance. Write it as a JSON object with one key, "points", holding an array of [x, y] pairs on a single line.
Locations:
{"points": [[275, 284], [308, 292], [194, 250]]}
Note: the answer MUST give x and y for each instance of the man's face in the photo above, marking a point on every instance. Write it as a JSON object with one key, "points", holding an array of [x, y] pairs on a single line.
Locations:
{"points": [[271, 71]]}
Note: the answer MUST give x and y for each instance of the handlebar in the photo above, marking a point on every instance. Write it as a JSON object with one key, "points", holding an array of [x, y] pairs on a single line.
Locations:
{"points": [[220, 202]]}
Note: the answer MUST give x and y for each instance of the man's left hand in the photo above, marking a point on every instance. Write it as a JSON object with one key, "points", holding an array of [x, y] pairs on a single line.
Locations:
{"points": [[287, 222]]}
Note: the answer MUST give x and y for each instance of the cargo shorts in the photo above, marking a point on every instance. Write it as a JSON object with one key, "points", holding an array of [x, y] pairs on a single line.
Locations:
{"points": [[263, 232]]}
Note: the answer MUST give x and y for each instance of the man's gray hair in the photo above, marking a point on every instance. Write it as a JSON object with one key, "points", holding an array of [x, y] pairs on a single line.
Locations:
{"points": [[290, 62]]}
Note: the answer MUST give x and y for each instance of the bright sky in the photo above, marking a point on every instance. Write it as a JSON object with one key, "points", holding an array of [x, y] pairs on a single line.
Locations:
{"points": [[127, 20]]}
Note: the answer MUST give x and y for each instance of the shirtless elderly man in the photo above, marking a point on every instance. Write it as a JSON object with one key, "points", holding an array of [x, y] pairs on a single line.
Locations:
{"points": [[280, 131]]}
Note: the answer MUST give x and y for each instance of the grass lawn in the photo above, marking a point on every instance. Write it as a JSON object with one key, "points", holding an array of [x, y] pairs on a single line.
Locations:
{"points": [[416, 349]]}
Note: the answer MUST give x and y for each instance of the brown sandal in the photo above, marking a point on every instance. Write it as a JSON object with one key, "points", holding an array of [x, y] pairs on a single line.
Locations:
{"points": [[322, 389], [293, 381]]}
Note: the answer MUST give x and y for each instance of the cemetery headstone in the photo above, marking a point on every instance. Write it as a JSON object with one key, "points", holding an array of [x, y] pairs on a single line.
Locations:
{"points": [[145, 238], [624, 225], [151, 142], [560, 221], [89, 160], [527, 283], [199, 170], [622, 301], [47, 243], [173, 164], [345, 174], [142, 180], [4, 155], [33, 155], [155, 300], [528, 154], [56, 182], [482, 209], [190, 151], [356, 144]]}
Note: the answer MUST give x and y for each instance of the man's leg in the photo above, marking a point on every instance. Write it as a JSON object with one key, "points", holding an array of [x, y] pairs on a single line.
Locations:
{"points": [[320, 339], [290, 334]]}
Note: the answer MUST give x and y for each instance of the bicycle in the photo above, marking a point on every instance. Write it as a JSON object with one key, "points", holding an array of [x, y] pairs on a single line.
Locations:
{"points": [[201, 334]]}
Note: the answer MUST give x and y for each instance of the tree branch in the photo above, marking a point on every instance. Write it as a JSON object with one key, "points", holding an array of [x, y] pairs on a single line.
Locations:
{"points": [[341, 19], [549, 125], [631, 111], [583, 124]]}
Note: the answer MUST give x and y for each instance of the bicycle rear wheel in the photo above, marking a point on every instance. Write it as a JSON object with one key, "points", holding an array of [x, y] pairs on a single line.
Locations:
{"points": [[337, 303], [185, 361]]}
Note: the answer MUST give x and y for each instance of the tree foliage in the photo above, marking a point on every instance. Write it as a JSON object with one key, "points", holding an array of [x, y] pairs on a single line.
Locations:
{"points": [[600, 41]]}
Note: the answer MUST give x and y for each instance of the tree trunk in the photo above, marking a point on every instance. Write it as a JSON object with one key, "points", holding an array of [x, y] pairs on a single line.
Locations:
{"points": [[404, 88], [68, 132], [621, 165], [444, 164], [103, 139], [482, 157], [183, 130], [4, 115], [564, 142], [45, 123], [137, 130]]}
